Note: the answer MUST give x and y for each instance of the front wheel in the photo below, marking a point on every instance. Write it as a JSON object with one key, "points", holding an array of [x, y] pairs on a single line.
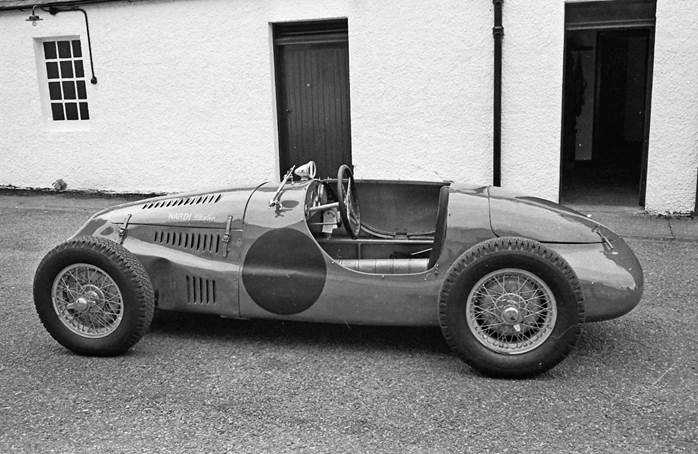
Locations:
{"points": [[511, 308], [93, 296]]}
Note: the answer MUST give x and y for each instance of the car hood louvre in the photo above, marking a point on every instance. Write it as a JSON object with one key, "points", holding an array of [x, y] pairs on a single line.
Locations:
{"points": [[203, 210], [190, 240], [179, 201]]}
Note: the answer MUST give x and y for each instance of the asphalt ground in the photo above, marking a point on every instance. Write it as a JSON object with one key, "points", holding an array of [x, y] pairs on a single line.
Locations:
{"points": [[205, 384]]}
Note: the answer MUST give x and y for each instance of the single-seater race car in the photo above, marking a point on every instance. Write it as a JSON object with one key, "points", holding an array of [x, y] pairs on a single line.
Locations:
{"points": [[509, 279]]}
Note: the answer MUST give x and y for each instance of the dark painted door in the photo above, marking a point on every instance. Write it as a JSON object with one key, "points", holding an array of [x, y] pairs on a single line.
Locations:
{"points": [[312, 81]]}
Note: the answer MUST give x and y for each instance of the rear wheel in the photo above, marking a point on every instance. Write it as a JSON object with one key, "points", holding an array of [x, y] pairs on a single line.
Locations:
{"points": [[510, 307], [93, 296]]}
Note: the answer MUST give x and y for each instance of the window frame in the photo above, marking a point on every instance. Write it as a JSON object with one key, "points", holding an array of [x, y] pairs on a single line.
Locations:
{"points": [[43, 80]]}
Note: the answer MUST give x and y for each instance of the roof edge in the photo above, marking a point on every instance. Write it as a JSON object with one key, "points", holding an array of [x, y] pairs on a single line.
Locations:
{"points": [[27, 5]]}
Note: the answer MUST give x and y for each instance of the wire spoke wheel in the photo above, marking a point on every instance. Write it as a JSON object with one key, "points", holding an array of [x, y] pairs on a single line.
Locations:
{"points": [[511, 311], [93, 296], [511, 307], [87, 300]]}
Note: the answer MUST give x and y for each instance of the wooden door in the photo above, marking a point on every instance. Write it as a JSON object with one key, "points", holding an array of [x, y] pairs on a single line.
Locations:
{"points": [[312, 87]]}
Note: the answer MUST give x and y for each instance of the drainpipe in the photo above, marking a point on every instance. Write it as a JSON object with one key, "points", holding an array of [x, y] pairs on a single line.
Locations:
{"points": [[498, 34], [695, 210]]}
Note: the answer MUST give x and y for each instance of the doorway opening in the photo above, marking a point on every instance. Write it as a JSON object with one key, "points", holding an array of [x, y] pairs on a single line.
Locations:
{"points": [[312, 94], [606, 102]]}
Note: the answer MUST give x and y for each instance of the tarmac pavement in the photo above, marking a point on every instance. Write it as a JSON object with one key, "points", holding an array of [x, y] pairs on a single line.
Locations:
{"points": [[205, 384], [631, 222]]}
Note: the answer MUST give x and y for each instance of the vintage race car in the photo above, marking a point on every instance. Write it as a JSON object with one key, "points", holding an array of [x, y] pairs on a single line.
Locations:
{"points": [[509, 279]]}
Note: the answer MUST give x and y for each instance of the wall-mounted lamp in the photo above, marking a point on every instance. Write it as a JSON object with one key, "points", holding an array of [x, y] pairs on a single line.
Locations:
{"points": [[33, 17], [53, 10]]}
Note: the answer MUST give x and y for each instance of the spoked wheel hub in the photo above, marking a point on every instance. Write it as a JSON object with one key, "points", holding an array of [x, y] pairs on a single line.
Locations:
{"points": [[87, 300], [511, 311], [511, 315]]}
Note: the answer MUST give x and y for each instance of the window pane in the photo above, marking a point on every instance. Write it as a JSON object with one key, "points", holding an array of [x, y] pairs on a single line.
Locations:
{"points": [[52, 70], [82, 92], [49, 49], [71, 111], [69, 90], [57, 111], [66, 69], [79, 71], [64, 49], [54, 90], [77, 50], [84, 114]]}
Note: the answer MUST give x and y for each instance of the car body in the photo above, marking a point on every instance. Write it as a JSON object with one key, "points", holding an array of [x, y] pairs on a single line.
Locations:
{"points": [[280, 252]]}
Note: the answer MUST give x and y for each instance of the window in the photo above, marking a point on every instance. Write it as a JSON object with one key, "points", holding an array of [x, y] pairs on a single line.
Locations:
{"points": [[66, 80]]}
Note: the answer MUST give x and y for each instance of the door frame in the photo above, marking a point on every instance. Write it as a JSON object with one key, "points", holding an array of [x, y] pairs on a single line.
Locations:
{"points": [[603, 16], [320, 31], [648, 114]]}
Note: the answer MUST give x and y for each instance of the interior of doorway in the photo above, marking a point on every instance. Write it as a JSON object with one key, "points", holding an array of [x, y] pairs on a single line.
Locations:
{"points": [[605, 104]]}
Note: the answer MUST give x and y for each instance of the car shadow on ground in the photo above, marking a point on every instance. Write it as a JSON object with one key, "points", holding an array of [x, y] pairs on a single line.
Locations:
{"points": [[612, 337], [597, 339], [183, 325]]}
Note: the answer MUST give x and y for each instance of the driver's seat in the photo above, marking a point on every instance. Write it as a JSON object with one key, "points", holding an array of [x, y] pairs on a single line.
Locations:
{"points": [[440, 231]]}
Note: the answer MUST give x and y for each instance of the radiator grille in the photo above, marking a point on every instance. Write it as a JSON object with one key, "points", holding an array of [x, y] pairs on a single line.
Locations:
{"points": [[196, 200], [193, 241], [200, 291]]}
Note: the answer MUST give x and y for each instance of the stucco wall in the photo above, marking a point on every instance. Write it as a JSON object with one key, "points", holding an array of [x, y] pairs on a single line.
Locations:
{"points": [[673, 150], [532, 96], [185, 97]]}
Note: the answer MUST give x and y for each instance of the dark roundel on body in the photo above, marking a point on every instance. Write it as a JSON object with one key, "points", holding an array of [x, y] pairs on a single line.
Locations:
{"points": [[284, 271]]}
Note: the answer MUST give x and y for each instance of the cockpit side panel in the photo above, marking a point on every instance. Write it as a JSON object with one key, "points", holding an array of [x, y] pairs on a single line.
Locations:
{"points": [[287, 275]]}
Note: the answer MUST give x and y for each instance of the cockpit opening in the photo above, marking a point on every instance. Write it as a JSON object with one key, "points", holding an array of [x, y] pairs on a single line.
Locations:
{"points": [[381, 227]]}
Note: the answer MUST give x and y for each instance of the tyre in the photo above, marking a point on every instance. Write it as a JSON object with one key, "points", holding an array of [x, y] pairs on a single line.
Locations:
{"points": [[93, 296], [511, 308]]}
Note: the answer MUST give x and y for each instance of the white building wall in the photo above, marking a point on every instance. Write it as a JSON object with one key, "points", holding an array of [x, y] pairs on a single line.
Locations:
{"points": [[673, 148], [421, 89], [185, 97], [532, 96]]}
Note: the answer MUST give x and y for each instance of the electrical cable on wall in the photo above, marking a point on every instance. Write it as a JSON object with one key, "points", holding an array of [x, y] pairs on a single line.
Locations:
{"points": [[53, 10]]}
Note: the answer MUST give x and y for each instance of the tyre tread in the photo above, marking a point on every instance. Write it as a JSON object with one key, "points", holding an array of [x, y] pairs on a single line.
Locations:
{"points": [[135, 273], [493, 246]]}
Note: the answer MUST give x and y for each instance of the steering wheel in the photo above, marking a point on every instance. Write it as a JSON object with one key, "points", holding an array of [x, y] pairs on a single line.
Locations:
{"points": [[348, 201]]}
